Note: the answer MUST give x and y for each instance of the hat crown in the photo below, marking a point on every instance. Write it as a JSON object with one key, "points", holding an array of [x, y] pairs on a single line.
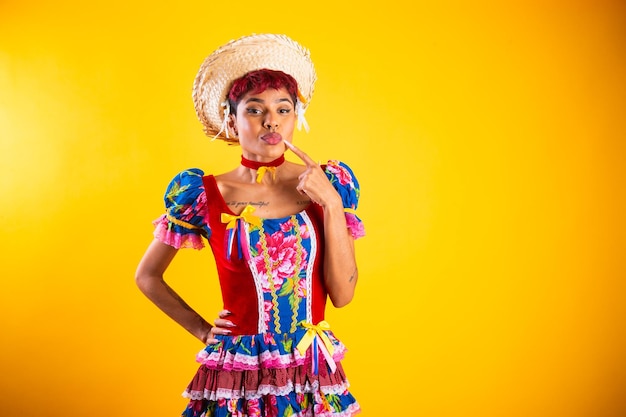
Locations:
{"points": [[238, 57]]}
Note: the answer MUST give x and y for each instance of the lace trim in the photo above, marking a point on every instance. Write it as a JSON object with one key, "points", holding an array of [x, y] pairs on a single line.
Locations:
{"points": [[239, 362], [261, 328], [267, 356], [163, 233], [223, 393], [355, 225]]}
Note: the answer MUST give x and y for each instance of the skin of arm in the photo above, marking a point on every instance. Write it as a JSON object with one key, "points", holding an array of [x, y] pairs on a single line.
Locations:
{"points": [[149, 279], [340, 268]]}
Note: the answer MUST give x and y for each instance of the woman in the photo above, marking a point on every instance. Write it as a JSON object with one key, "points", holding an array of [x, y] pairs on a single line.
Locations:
{"points": [[282, 235]]}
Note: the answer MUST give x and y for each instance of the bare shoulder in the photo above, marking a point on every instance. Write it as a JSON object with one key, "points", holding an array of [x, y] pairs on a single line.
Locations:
{"points": [[230, 176]]}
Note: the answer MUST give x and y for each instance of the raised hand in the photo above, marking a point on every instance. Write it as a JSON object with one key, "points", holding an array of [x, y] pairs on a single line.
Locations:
{"points": [[313, 181]]}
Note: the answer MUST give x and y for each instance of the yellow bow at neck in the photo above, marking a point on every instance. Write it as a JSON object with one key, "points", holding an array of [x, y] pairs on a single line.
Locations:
{"points": [[246, 215], [262, 170]]}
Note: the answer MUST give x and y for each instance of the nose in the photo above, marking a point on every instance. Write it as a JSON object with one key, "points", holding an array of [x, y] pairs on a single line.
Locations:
{"points": [[270, 122]]}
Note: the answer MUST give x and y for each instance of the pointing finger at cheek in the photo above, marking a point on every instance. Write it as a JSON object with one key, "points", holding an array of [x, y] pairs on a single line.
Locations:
{"points": [[300, 154]]}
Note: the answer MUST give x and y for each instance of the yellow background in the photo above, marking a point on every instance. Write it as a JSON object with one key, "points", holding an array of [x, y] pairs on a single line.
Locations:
{"points": [[488, 138]]}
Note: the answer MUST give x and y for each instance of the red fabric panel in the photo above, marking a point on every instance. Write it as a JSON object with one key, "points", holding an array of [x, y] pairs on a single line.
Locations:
{"points": [[237, 284]]}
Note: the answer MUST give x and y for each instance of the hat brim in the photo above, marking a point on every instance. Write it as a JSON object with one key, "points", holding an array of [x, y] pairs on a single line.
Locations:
{"points": [[238, 57]]}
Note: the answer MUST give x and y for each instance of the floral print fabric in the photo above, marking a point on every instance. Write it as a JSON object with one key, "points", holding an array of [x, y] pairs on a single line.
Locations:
{"points": [[265, 374], [184, 223]]}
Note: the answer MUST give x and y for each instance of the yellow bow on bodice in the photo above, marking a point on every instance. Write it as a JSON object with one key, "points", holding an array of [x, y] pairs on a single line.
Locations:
{"points": [[245, 215]]}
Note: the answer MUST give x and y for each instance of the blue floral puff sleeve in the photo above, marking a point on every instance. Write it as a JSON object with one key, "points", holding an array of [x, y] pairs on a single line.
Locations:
{"points": [[184, 223], [343, 179]]}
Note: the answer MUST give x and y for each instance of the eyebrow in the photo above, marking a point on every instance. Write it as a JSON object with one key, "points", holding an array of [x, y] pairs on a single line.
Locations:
{"points": [[258, 100]]}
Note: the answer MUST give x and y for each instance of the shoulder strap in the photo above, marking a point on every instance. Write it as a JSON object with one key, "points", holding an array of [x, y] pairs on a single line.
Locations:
{"points": [[214, 198]]}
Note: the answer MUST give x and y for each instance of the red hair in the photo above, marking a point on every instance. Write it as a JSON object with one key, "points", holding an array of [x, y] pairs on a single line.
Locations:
{"points": [[258, 81]]}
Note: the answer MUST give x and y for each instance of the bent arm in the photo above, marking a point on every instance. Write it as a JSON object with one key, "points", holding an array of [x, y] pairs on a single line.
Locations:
{"points": [[340, 268], [149, 279]]}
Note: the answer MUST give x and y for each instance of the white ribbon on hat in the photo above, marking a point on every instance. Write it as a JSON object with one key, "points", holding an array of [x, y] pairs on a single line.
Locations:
{"points": [[224, 126], [300, 113]]}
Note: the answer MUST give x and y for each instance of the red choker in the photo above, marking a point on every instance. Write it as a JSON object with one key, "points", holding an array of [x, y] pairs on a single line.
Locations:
{"points": [[256, 165], [263, 167]]}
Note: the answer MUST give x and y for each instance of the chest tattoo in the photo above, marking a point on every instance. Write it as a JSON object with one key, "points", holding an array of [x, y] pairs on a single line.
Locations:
{"points": [[257, 204]]}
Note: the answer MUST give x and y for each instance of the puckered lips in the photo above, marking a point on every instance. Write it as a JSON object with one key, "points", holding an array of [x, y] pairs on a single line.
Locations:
{"points": [[272, 138]]}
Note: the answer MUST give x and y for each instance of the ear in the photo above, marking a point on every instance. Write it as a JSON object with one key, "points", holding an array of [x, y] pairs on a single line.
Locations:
{"points": [[232, 125]]}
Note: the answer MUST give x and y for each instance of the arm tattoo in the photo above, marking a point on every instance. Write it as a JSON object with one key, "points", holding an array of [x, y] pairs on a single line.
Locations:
{"points": [[352, 276]]}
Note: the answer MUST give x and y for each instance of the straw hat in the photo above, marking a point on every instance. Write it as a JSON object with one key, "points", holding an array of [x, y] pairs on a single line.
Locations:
{"points": [[235, 59]]}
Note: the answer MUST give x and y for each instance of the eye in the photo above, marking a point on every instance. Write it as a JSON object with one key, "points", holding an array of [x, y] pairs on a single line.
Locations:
{"points": [[284, 111], [253, 110]]}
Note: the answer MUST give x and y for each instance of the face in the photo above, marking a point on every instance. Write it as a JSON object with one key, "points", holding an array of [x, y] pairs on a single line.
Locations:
{"points": [[262, 121]]}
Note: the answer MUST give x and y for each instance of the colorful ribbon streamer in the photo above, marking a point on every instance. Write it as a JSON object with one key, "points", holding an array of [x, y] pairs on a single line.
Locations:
{"points": [[235, 230], [316, 338]]}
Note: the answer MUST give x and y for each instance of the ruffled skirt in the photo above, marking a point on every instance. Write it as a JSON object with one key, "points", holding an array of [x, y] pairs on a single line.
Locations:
{"points": [[265, 375]]}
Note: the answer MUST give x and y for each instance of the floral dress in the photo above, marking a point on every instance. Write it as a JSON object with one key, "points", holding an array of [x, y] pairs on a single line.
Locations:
{"points": [[282, 359]]}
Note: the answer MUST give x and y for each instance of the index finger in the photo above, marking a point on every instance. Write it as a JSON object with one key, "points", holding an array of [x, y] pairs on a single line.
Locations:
{"points": [[301, 154]]}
